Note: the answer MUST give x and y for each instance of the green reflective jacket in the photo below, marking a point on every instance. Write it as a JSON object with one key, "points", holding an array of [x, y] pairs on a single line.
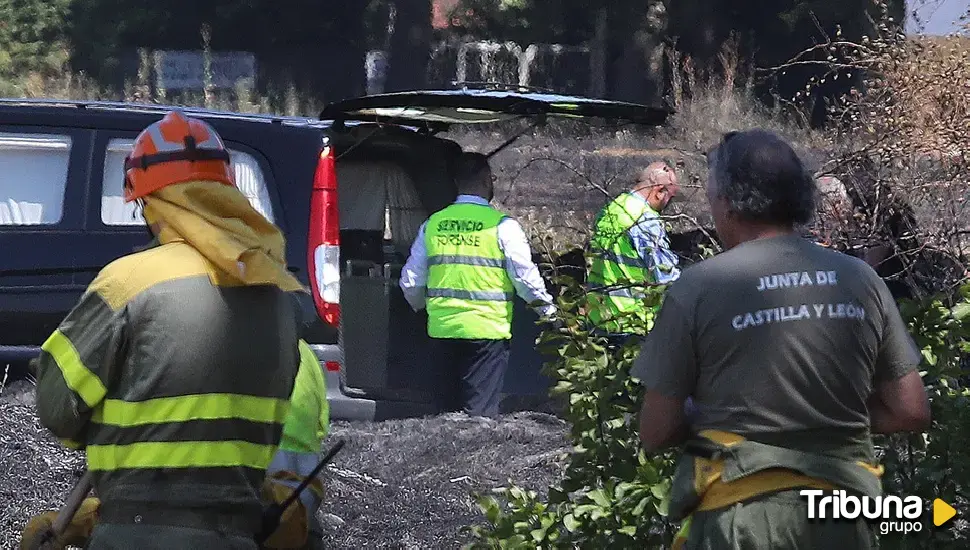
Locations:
{"points": [[617, 272], [308, 421], [469, 292]]}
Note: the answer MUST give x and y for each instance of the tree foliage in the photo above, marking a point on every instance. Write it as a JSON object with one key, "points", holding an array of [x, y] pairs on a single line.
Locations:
{"points": [[32, 37], [935, 464], [307, 42]]}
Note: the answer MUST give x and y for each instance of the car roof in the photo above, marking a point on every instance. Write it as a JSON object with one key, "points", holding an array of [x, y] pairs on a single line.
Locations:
{"points": [[147, 111]]}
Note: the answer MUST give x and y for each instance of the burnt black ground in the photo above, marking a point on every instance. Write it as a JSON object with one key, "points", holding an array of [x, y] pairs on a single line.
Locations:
{"points": [[396, 484], [422, 471]]}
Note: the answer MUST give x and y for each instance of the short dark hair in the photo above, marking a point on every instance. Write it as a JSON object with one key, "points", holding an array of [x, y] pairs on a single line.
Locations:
{"points": [[472, 175], [762, 178]]}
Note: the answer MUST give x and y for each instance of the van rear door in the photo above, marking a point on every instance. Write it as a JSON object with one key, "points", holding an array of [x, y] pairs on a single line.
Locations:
{"points": [[380, 345], [439, 109]]}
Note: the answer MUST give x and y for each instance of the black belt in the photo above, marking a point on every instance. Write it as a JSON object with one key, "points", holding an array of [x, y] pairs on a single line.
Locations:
{"points": [[128, 513]]}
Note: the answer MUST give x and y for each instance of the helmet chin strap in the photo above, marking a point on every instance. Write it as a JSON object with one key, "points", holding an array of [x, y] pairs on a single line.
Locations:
{"points": [[140, 209]]}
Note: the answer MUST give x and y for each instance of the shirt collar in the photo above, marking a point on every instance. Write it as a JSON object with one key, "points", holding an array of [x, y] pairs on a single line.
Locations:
{"points": [[471, 199], [642, 199]]}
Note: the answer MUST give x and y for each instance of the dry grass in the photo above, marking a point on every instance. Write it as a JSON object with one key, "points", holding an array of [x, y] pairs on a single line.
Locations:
{"points": [[557, 178]]}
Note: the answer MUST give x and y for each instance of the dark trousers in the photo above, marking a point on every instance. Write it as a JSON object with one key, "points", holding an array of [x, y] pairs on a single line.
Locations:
{"points": [[471, 374]]}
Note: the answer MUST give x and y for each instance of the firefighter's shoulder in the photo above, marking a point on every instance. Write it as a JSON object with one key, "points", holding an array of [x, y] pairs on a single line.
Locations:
{"points": [[128, 276]]}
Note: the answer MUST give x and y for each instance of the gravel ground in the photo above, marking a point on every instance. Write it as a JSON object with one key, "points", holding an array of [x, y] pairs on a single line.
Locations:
{"points": [[36, 473], [396, 484]]}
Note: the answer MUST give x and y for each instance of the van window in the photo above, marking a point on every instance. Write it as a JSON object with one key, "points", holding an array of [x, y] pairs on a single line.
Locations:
{"points": [[114, 210], [33, 178]]}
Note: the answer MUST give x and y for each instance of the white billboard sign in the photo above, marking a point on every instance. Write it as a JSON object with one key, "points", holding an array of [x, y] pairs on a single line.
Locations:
{"points": [[184, 70]]}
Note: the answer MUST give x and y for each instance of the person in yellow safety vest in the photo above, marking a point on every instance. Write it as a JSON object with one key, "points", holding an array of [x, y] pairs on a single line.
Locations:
{"points": [[305, 428], [466, 266], [629, 248], [794, 355], [174, 370]]}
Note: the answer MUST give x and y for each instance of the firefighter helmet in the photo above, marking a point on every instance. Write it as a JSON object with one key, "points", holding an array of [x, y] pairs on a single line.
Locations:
{"points": [[174, 150]]}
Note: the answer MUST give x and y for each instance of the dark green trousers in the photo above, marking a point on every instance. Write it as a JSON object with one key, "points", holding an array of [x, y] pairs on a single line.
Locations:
{"points": [[107, 536], [775, 522]]}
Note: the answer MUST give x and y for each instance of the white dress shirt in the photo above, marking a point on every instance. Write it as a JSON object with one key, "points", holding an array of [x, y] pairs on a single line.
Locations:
{"points": [[528, 284]]}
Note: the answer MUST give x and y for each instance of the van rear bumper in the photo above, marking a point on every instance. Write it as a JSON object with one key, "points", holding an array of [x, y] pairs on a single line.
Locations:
{"points": [[345, 405]]}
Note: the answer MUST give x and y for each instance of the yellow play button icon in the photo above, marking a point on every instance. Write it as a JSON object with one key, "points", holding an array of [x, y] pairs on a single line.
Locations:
{"points": [[942, 512]]}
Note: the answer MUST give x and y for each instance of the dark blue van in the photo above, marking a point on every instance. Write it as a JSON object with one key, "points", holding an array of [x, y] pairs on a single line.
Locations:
{"points": [[349, 190]]}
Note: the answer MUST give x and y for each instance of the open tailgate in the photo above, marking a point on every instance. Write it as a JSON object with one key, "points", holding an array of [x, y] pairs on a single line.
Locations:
{"points": [[438, 109]]}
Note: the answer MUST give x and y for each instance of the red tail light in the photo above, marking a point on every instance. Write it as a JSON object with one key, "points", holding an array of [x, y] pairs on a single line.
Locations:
{"points": [[333, 366], [323, 252]]}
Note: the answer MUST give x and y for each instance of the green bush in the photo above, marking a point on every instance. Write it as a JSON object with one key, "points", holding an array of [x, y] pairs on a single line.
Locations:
{"points": [[935, 464], [613, 496]]}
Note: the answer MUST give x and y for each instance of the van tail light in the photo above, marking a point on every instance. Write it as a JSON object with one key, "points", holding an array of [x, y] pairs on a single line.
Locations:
{"points": [[333, 366], [323, 254]]}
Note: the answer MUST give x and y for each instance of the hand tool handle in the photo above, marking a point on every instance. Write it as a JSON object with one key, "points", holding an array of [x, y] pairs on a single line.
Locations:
{"points": [[66, 513]]}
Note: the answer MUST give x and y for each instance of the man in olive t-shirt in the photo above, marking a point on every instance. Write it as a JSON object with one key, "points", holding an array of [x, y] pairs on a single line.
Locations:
{"points": [[779, 341]]}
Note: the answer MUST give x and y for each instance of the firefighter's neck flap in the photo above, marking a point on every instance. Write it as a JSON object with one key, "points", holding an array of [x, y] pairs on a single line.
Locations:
{"points": [[219, 222], [181, 169]]}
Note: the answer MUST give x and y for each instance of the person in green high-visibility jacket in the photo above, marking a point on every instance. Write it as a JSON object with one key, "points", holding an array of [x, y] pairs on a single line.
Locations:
{"points": [[304, 430], [630, 248], [466, 266]]}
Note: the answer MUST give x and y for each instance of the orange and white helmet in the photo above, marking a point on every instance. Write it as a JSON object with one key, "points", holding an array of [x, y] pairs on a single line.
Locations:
{"points": [[174, 150]]}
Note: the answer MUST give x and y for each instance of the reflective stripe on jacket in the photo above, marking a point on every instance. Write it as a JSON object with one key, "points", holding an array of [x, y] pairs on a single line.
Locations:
{"points": [[469, 291], [617, 273], [737, 469], [175, 381]]}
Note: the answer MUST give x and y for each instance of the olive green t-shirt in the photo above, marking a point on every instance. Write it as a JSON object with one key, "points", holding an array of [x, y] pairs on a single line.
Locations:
{"points": [[781, 341]]}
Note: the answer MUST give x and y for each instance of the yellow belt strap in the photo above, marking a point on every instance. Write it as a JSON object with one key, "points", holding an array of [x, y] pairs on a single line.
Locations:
{"points": [[719, 494]]}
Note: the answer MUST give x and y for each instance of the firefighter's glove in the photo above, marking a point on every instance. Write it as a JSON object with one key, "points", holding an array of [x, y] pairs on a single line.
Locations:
{"points": [[77, 532], [293, 529]]}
